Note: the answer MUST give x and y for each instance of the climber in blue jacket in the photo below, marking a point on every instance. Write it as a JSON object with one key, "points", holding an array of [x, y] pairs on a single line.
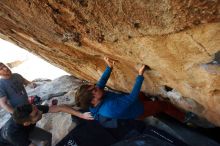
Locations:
{"points": [[107, 107]]}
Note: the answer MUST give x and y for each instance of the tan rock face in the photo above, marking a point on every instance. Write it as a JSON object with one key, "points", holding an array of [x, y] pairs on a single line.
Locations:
{"points": [[178, 39]]}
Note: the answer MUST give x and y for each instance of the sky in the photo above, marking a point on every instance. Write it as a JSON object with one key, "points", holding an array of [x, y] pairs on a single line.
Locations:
{"points": [[33, 66]]}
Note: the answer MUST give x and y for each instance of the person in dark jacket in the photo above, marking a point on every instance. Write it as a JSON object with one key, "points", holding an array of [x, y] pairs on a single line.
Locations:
{"points": [[20, 129]]}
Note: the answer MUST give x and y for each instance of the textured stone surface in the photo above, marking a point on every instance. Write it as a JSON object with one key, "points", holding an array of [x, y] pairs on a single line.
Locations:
{"points": [[59, 124], [178, 39]]}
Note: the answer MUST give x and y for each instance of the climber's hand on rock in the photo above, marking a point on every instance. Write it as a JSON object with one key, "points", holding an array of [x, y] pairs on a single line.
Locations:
{"points": [[109, 62], [141, 70]]}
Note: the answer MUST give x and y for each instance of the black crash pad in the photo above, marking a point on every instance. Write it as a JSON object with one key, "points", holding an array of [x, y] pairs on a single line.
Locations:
{"points": [[88, 134]]}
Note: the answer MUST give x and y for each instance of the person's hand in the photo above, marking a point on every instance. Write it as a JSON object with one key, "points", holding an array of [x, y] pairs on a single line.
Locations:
{"points": [[86, 116], [141, 70], [109, 62]]}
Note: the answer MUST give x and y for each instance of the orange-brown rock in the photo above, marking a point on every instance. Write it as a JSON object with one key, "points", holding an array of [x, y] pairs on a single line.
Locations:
{"points": [[178, 39]]}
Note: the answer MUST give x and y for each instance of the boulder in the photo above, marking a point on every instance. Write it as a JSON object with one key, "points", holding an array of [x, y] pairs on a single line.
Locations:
{"points": [[177, 39]]}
